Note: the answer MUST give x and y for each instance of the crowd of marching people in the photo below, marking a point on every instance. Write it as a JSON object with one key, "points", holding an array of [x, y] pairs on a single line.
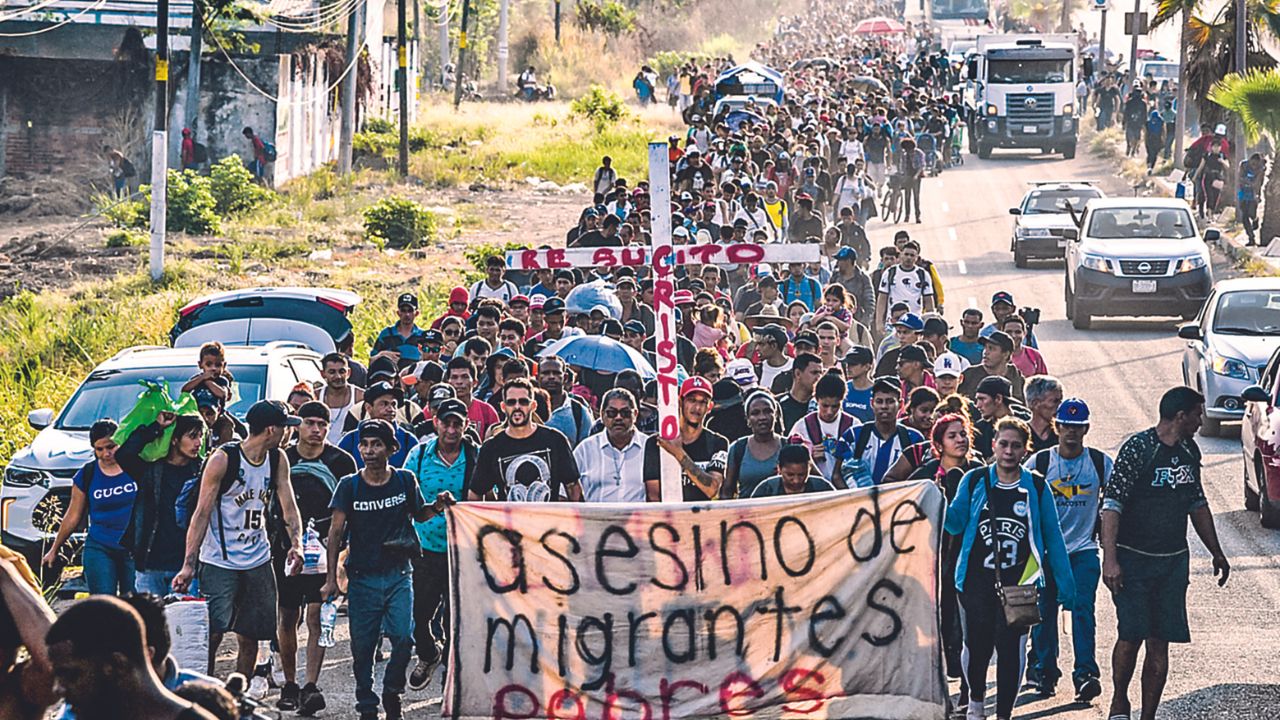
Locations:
{"points": [[794, 379]]}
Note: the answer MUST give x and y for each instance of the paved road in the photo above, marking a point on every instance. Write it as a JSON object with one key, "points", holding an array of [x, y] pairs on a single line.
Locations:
{"points": [[1121, 367]]}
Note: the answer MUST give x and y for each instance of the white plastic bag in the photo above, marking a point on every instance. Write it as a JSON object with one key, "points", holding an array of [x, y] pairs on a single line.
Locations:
{"points": [[189, 632]]}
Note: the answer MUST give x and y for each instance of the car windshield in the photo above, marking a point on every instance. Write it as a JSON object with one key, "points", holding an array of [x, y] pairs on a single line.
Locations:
{"points": [[1055, 201], [1029, 71], [1135, 223], [1248, 312], [112, 393], [332, 320]]}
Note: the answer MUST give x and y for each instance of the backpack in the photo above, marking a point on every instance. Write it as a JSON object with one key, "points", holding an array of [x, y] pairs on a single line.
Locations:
{"points": [[127, 169], [199, 153], [469, 452], [189, 495], [269, 151], [1099, 465], [864, 439], [1191, 159], [302, 477], [813, 427], [921, 274]]}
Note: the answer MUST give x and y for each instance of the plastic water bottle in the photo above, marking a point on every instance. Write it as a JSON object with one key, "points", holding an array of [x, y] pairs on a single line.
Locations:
{"points": [[328, 619], [312, 550]]}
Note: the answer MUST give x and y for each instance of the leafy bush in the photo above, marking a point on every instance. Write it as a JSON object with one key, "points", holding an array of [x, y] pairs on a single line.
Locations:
{"points": [[606, 16], [379, 125], [382, 139], [233, 188], [602, 107], [122, 213], [191, 207], [399, 222], [478, 254], [666, 61], [127, 237]]}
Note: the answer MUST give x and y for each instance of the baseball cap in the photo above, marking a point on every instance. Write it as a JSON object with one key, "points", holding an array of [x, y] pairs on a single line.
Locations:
{"points": [[552, 305], [774, 332], [520, 300], [994, 385], [695, 384], [1072, 411], [1000, 339], [1002, 297], [859, 355], [205, 398], [452, 406], [407, 299], [610, 327], [847, 253], [764, 269], [634, 327], [936, 326], [271, 413], [726, 392], [440, 392], [380, 367], [808, 337], [600, 309], [913, 353], [432, 336], [380, 429], [911, 321], [886, 383], [537, 301], [625, 280], [382, 389], [741, 371], [1221, 129], [949, 364], [313, 409], [900, 305], [682, 297]]}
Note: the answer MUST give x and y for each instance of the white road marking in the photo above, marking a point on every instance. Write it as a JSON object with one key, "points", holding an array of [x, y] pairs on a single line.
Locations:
{"points": [[964, 269], [973, 302], [951, 234], [945, 206]]}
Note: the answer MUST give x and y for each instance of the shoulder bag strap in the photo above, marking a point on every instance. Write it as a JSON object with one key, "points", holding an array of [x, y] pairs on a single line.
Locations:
{"points": [[991, 521]]}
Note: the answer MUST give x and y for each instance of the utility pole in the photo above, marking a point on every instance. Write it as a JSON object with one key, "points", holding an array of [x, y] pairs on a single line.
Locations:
{"points": [[159, 142], [557, 22], [462, 55], [348, 130], [402, 85], [442, 26], [192, 105], [1101, 68], [1133, 45], [503, 12], [1180, 117]]}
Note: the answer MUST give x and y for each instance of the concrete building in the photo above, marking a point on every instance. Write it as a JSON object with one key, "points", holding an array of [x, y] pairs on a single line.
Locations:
{"points": [[76, 75]]}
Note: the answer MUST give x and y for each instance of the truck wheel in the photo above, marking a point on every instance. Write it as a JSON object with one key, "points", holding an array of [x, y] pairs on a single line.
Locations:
{"points": [[984, 151], [1069, 301], [1269, 513], [1069, 152], [1210, 427], [973, 141], [1019, 258], [1251, 495], [1080, 318]]}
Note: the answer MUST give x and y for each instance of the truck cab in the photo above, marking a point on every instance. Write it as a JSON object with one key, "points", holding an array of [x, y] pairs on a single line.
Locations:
{"points": [[1020, 93]]}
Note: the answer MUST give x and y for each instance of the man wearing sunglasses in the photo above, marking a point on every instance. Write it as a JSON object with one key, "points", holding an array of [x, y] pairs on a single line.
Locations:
{"points": [[524, 462], [611, 461]]}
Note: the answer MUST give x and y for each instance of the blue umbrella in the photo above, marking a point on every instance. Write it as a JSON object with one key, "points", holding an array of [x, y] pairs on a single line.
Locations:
{"points": [[599, 353]]}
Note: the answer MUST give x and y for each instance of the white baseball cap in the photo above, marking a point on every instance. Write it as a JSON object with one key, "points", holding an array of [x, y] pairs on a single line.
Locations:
{"points": [[741, 371], [949, 364]]}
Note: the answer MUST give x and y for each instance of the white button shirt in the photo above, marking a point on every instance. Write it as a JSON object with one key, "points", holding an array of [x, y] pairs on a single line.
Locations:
{"points": [[610, 474]]}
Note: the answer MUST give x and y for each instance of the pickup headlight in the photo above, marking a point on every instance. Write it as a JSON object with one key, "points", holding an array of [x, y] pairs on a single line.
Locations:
{"points": [[1187, 264], [1230, 367], [1097, 262], [20, 477], [1068, 109], [1033, 232], [992, 109]]}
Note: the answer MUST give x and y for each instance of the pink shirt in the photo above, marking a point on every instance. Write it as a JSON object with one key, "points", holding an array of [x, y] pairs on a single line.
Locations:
{"points": [[1029, 362], [482, 416]]}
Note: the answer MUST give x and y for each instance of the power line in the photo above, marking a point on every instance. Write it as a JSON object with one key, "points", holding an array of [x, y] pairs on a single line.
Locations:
{"points": [[269, 96], [24, 11], [68, 19]]}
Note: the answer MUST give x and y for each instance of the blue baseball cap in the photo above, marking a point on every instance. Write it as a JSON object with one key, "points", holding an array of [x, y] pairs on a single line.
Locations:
{"points": [[847, 253], [1072, 411], [911, 321]]}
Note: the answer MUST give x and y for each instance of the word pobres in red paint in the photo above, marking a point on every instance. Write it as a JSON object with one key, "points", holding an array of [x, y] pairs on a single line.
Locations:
{"points": [[801, 691], [635, 256]]}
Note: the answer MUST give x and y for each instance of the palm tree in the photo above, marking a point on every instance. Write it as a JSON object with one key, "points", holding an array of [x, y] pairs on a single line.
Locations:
{"points": [[1254, 98], [1206, 50]]}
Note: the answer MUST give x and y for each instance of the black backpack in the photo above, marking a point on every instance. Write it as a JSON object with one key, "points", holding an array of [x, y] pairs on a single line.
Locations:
{"points": [[127, 169], [189, 495], [200, 153]]}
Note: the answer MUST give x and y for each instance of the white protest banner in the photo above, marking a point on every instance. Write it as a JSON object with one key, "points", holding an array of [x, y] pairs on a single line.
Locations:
{"points": [[813, 606], [638, 255]]}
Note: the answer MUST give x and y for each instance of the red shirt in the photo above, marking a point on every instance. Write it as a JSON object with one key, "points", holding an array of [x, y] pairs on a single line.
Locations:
{"points": [[482, 416]]}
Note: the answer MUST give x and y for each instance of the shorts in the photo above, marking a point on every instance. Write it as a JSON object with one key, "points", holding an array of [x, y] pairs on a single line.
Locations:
{"points": [[1153, 601], [241, 601], [297, 591]]}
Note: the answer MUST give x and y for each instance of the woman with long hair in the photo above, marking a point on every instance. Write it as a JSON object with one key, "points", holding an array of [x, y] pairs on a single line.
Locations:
{"points": [[1006, 522], [754, 458]]}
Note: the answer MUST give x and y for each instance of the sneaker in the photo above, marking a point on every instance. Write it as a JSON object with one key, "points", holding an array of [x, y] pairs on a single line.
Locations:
{"points": [[977, 710], [1090, 688], [391, 704], [422, 672], [288, 697], [312, 700], [257, 688]]}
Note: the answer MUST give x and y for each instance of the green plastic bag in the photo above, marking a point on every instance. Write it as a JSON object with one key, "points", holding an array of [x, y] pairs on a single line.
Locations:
{"points": [[153, 400]]}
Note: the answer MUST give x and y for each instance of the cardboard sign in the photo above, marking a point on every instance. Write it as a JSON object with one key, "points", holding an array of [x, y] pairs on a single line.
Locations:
{"points": [[821, 606]]}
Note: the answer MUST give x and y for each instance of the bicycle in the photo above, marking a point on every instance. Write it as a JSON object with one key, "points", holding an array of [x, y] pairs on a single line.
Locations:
{"points": [[894, 204]]}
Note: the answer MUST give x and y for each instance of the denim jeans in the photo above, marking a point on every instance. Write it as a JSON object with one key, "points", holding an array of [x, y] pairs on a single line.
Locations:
{"points": [[160, 582], [107, 571], [1042, 659], [380, 604]]}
